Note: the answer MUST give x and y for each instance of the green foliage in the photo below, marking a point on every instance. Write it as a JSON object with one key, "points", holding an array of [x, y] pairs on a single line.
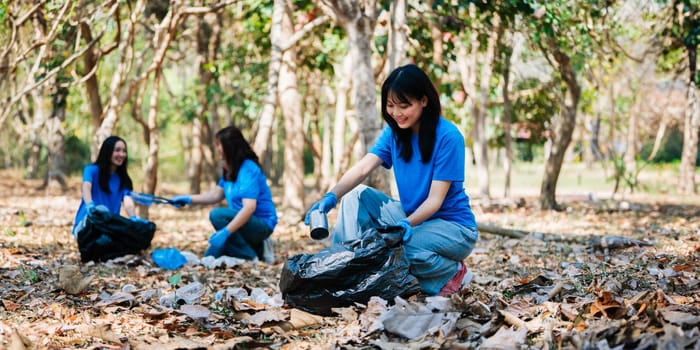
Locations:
{"points": [[681, 33], [77, 154], [3, 12]]}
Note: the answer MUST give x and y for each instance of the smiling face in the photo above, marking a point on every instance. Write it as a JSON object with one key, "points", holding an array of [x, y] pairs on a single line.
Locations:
{"points": [[118, 155], [406, 113]]}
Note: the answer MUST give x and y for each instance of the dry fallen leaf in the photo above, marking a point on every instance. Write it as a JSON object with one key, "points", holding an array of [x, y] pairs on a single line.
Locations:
{"points": [[72, 280], [19, 341]]}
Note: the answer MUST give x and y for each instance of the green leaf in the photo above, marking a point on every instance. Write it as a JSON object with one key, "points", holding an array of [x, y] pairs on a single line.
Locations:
{"points": [[174, 280]]}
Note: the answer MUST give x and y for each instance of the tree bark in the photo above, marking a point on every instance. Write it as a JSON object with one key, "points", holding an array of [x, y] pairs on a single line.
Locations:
{"points": [[92, 86], [56, 139], [398, 35], [563, 130], [689, 155], [290, 105], [267, 116], [507, 123]]}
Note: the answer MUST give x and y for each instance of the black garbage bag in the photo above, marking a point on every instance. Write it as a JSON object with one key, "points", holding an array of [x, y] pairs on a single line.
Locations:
{"points": [[350, 272], [107, 236]]}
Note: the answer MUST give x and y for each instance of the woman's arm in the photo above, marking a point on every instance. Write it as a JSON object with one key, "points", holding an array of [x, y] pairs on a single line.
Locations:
{"points": [[129, 206], [356, 174], [438, 191], [243, 215], [211, 197], [87, 191]]}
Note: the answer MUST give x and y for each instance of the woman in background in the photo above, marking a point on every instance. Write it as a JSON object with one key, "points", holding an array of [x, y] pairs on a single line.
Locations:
{"points": [[243, 229]]}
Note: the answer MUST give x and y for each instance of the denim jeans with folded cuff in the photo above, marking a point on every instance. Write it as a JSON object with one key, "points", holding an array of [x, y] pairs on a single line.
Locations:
{"points": [[435, 248], [247, 242]]}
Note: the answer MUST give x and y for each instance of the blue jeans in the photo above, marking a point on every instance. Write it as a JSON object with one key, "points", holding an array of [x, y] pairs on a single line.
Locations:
{"points": [[434, 250], [247, 242]]}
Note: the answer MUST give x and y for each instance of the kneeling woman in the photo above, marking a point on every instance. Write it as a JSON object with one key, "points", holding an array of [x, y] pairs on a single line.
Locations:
{"points": [[244, 227], [106, 184]]}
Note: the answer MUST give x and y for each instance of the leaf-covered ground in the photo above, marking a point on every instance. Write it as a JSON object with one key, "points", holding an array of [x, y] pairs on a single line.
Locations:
{"points": [[603, 274]]}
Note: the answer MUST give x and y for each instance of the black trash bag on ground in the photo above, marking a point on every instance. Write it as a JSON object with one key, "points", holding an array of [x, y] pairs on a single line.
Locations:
{"points": [[107, 236], [347, 273]]}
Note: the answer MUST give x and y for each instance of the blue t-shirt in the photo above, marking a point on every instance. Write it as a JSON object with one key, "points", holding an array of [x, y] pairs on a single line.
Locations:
{"points": [[113, 200], [413, 178], [250, 184]]}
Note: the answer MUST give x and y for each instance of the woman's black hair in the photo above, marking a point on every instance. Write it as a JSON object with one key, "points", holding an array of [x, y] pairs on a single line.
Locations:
{"points": [[406, 83], [104, 162], [236, 150]]}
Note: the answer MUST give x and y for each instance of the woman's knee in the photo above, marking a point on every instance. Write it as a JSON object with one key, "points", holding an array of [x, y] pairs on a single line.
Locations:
{"points": [[221, 216]]}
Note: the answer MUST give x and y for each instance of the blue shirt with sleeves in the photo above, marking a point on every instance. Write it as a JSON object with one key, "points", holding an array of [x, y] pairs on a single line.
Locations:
{"points": [[413, 178], [250, 184], [112, 200]]}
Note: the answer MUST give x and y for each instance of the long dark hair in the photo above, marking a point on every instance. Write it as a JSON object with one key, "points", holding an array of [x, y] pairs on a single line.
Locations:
{"points": [[104, 162], [410, 82], [236, 150]]}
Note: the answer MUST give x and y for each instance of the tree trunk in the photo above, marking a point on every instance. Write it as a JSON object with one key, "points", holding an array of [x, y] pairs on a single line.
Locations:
{"points": [[563, 130], [208, 40], [56, 139], [481, 145], [290, 105], [630, 156], [150, 176], [689, 155], [194, 164], [507, 122], [116, 98], [92, 86], [358, 18], [344, 75], [398, 36], [34, 131], [267, 116]]}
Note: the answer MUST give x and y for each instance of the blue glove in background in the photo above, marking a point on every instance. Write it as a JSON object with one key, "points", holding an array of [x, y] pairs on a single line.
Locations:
{"points": [[135, 218], [406, 226], [325, 204], [181, 201], [217, 241]]}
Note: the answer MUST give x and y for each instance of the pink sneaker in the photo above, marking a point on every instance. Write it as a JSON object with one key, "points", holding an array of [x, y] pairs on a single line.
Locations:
{"points": [[460, 280]]}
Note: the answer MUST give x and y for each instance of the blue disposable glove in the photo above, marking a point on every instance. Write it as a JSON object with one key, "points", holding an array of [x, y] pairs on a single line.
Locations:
{"points": [[93, 209], [135, 218], [406, 225], [217, 241], [181, 201], [325, 204]]}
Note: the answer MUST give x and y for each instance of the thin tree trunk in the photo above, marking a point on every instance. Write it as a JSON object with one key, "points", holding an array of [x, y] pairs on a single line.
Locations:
{"points": [[507, 122], [150, 178], [92, 86], [290, 105], [115, 103], [341, 102], [398, 35], [563, 130], [34, 131], [689, 154], [56, 140], [267, 116]]}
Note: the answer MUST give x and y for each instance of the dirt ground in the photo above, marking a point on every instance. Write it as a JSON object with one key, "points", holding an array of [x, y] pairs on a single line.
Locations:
{"points": [[601, 274]]}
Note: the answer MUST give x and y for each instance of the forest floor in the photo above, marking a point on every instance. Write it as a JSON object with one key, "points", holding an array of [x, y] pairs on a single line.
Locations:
{"points": [[602, 274]]}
